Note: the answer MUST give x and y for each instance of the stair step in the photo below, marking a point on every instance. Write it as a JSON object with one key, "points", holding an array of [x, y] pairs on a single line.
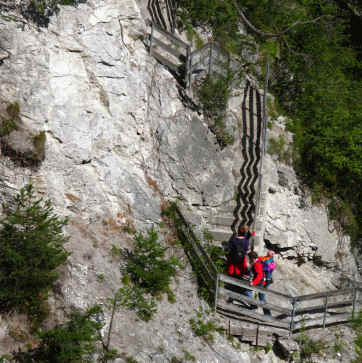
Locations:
{"points": [[221, 220], [228, 208], [166, 62], [163, 45], [220, 235]]}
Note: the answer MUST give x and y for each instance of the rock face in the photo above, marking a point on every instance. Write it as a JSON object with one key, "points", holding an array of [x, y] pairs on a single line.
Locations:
{"points": [[119, 142]]}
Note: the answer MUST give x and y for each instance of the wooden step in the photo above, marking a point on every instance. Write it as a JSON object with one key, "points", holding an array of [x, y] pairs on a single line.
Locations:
{"points": [[222, 220], [263, 319], [174, 67], [220, 235], [168, 48], [240, 297]]}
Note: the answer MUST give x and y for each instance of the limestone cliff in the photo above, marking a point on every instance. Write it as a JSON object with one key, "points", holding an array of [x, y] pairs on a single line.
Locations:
{"points": [[120, 142]]}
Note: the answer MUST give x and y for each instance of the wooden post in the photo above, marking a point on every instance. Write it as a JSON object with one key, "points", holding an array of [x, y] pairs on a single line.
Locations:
{"points": [[190, 67], [355, 296], [291, 328], [210, 57], [257, 335], [187, 67], [151, 38], [229, 331], [325, 311], [216, 291]]}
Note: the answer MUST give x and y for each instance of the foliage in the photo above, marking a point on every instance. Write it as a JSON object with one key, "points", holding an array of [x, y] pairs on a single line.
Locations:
{"points": [[39, 145], [213, 95], [9, 125], [13, 110], [280, 148], [147, 275], [309, 346], [357, 327], [216, 253], [72, 342], [31, 248], [148, 266], [204, 328], [189, 356], [135, 298], [188, 240], [41, 10]]}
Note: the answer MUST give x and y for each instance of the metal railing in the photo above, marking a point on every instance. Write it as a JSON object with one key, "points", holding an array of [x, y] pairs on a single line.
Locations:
{"points": [[331, 307], [290, 313], [163, 13]]}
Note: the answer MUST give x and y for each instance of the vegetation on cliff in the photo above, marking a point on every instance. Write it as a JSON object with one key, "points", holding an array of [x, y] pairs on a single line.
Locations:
{"points": [[315, 55], [31, 248]]}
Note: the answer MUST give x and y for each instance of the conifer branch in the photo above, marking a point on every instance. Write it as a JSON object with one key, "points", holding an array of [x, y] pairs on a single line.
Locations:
{"points": [[274, 35]]}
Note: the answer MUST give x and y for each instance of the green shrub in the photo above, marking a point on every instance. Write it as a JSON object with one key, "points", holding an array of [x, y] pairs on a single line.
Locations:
{"points": [[187, 240], [41, 10], [147, 275], [7, 126], [214, 93], [31, 248], [357, 327], [39, 145], [205, 328], [309, 346], [279, 148], [13, 110], [216, 253], [148, 266], [72, 342], [135, 298]]}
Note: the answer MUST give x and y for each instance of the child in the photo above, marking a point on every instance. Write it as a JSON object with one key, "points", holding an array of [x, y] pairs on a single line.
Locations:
{"points": [[268, 266]]}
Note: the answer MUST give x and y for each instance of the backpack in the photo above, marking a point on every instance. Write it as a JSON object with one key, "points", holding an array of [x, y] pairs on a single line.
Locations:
{"points": [[238, 250], [268, 265]]}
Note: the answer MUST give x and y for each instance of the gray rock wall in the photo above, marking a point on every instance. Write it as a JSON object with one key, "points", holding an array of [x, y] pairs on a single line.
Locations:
{"points": [[119, 142]]}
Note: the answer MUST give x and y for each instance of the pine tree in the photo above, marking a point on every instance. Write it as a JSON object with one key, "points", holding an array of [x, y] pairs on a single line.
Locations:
{"points": [[31, 248]]}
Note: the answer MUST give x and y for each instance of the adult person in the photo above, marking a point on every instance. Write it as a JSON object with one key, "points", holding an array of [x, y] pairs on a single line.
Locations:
{"points": [[244, 231], [238, 248], [258, 278]]}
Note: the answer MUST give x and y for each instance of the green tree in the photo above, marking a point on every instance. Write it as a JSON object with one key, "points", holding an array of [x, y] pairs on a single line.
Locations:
{"points": [[72, 342], [31, 248], [148, 266]]}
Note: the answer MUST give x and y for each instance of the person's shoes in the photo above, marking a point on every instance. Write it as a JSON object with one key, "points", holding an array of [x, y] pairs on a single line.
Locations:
{"points": [[253, 307], [229, 300]]}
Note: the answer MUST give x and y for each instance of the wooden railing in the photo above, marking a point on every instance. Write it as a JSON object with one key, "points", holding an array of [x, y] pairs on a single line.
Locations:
{"points": [[288, 313], [198, 257], [170, 51], [285, 310], [163, 13], [209, 59]]}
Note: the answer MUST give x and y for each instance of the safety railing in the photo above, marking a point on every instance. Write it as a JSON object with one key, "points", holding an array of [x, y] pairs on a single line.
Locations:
{"points": [[339, 306], [211, 58], [163, 13], [169, 50]]}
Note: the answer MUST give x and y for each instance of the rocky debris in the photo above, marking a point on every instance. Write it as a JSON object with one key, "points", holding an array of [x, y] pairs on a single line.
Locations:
{"points": [[286, 348]]}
